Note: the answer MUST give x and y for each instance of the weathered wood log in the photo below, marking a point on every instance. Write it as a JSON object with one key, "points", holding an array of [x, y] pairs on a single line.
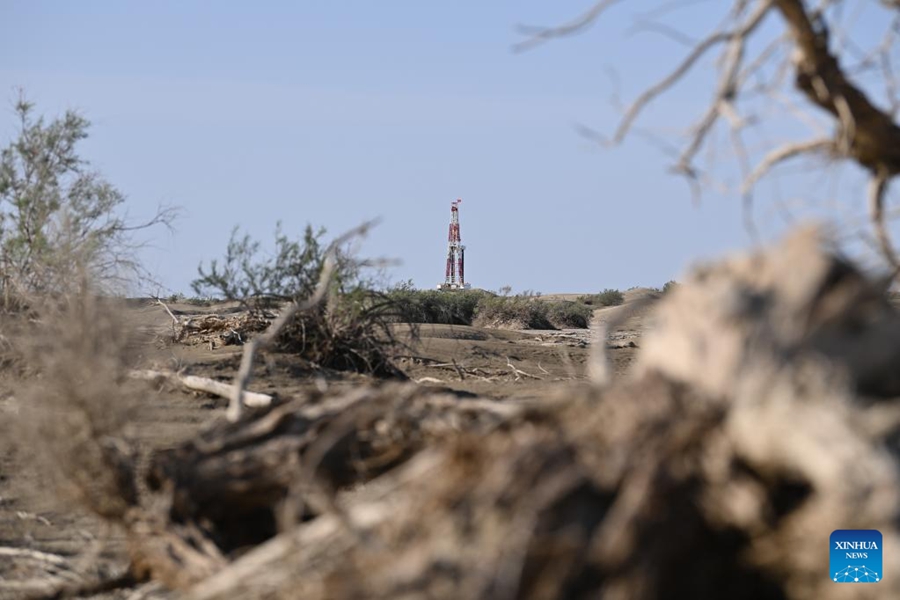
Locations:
{"points": [[241, 482], [269, 567], [202, 384]]}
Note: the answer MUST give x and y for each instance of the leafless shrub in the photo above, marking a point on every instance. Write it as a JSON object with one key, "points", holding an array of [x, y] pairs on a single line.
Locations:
{"points": [[608, 297]]}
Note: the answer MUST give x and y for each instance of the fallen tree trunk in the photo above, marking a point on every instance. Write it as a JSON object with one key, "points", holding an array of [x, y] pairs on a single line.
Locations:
{"points": [[241, 483], [202, 384], [271, 567]]}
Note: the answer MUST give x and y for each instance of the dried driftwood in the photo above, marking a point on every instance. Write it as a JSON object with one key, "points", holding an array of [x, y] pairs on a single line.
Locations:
{"points": [[214, 329], [202, 384]]}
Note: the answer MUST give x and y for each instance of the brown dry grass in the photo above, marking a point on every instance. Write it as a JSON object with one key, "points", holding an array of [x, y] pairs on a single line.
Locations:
{"points": [[82, 402]]}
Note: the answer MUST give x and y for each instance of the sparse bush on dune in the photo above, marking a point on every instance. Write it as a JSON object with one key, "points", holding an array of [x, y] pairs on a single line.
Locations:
{"points": [[566, 314], [349, 332], [193, 300], [485, 309], [607, 297], [456, 307], [513, 312]]}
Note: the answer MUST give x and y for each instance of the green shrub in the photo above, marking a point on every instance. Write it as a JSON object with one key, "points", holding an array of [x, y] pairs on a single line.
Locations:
{"points": [[567, 314], [485, 309], [193, 300], [60, 221], [351, 331], [514, 312], [607, 297], [448, 307]]}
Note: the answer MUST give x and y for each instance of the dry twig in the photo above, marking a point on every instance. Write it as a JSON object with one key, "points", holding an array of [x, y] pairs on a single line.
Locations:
{"points": [[539, 35], [53, 559], [519, 373]]}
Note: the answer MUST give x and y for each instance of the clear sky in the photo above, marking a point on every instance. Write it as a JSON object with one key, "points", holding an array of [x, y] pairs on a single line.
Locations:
{"points": [[334, 112]]}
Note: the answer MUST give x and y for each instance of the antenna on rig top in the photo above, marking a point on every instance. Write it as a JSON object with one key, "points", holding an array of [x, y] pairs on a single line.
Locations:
{"points": [[454, 277]]}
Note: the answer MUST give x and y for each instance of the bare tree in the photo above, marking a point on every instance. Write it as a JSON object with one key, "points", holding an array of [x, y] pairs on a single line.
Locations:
{"points": [[828, 65]]}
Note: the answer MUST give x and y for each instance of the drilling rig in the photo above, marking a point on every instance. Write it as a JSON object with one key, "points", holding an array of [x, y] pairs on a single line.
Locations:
{"points": [[454, 278]]}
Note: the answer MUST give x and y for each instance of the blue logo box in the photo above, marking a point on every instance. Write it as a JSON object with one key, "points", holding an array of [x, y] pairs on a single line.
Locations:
{"points": [[856, 556]]}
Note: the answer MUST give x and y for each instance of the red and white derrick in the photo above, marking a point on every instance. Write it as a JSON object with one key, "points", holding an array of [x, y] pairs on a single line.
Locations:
{"points": [[454, 278]]}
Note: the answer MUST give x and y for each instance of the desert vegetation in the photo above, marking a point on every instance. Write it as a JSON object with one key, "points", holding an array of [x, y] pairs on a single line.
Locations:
{"points": [[607, 297], [488, 309], [668, 286], [565, 314], [352, 331], [457, 307], [710, 457], [59, 224]]}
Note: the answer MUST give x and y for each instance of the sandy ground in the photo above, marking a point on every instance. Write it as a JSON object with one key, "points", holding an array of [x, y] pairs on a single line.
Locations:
{"points": [[488, 362]]}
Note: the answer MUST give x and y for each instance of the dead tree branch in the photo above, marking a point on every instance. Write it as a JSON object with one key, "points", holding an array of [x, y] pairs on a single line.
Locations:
{"points": [[783, 153], [539, 35], [877, 188], [873, 139], [519, 373], [864, 132], [176, 324], [202, 384], [719, 37], [45, 557], [262, 341]]}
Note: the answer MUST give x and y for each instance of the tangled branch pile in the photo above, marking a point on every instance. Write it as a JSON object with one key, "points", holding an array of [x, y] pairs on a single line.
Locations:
{"points": [[220, 330], [755, 425], [351, 332]]}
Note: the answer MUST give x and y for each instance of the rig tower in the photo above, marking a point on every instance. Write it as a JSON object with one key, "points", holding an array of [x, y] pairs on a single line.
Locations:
{"points": [[454, 278]]}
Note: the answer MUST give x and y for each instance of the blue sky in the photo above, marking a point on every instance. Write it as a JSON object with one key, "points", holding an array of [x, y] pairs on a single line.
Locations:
{"points": [[335, 112]]}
